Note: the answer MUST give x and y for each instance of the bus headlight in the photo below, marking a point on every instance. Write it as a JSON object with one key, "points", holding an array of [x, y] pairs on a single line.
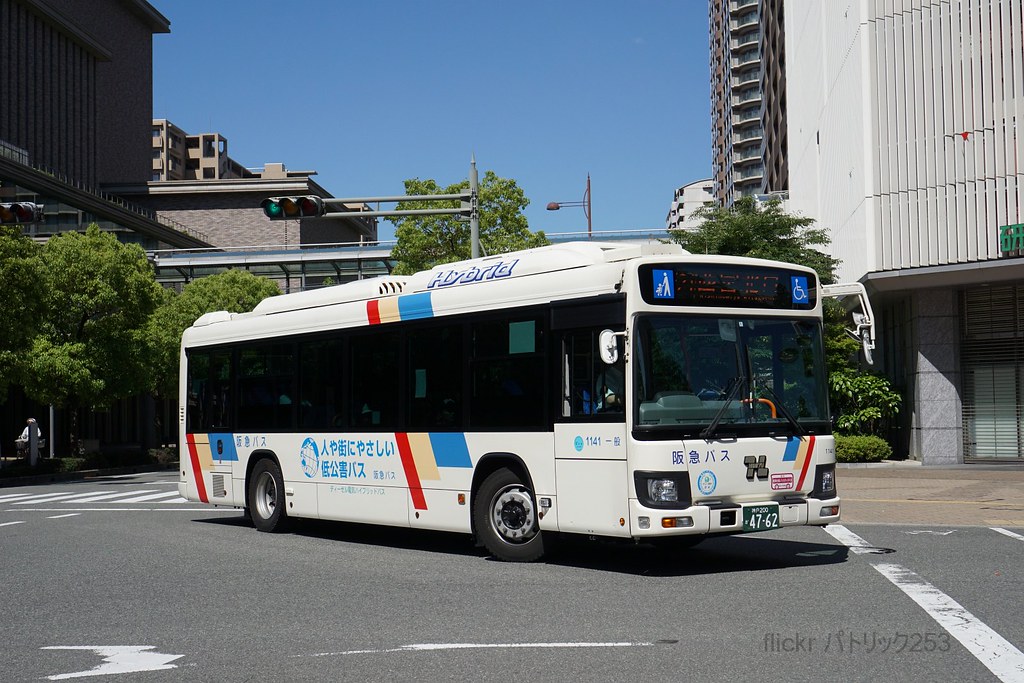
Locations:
{"points": [[663, 490]]}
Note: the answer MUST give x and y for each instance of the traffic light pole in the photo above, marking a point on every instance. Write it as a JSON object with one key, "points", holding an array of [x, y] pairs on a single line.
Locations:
{"points": [[286, 208]]}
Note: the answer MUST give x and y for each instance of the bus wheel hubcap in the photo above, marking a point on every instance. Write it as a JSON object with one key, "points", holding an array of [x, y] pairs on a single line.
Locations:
{"points": [[513, 515], [266, 495]]}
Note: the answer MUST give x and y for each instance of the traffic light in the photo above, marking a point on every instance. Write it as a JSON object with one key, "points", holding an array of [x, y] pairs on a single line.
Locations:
{"points": [[21, 212], [283, 208]]}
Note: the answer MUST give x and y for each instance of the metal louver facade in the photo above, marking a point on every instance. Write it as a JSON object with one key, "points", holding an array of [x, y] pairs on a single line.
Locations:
{"points": [[992, 365]]}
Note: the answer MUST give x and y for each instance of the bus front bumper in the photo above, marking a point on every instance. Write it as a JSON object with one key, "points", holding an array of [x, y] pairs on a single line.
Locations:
{"points": [[730, 518]]}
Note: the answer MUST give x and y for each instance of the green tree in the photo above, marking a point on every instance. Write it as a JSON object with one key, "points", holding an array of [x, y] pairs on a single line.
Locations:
{"points": [[236, 291], [768, 232], [90, 349], [21, 281], [425, 241]]}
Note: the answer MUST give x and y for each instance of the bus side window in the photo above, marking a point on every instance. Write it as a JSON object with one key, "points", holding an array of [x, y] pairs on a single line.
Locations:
{"points": [[590, 387], [374, 381], [435, 378]]}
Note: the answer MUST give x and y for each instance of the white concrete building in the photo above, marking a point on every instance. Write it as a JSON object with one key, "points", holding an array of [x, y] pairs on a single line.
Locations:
{"points": [[686, 201], [906, 141]]}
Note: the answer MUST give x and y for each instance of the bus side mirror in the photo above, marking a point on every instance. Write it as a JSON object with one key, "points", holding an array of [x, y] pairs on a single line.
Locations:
{"points": [[608, 346]]}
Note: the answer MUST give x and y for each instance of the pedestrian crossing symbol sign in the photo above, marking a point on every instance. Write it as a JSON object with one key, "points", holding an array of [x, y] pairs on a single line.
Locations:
{"points": [[664, 284]]}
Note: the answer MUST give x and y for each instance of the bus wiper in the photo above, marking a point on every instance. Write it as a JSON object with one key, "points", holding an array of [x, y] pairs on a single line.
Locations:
{"points": [[797, 427], [734, 387]]}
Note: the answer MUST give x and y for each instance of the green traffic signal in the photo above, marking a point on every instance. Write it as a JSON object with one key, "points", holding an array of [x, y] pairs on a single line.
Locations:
{"points": [[280, 208]]}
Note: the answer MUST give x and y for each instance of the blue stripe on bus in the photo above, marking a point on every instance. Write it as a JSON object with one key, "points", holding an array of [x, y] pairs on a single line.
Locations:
{"points": [[222, 447], [415, 306], [450, 449], [792, 448]]}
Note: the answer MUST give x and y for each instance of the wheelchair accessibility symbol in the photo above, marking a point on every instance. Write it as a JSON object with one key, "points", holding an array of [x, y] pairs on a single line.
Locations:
{"points": [[799, 287]]}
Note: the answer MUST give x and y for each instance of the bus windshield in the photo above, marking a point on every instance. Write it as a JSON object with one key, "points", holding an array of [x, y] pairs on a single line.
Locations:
{"points": [[711, 376]]}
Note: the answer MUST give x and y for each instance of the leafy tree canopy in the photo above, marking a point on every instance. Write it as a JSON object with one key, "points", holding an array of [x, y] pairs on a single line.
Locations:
{"points": [[747, 229], [22, 284], [90, 348], [425, 241], [236, 291]]}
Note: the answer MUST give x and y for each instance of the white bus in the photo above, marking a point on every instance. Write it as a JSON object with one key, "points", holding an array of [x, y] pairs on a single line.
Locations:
{"points": [[611, 390]]}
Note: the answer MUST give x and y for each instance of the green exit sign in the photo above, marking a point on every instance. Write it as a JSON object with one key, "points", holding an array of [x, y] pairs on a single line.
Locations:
{"points": [[1011, 237]]}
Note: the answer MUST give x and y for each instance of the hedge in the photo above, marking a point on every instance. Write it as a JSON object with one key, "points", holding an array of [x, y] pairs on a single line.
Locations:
{"points": [[861, 449]]}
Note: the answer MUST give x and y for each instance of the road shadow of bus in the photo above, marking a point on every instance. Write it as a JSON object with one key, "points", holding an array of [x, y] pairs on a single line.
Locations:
{"points": [[715, 555]]}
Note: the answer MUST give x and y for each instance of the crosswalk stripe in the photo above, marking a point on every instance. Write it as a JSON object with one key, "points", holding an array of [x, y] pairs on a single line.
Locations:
{"points": [[155, 496], [52, 497], [108, 496]]}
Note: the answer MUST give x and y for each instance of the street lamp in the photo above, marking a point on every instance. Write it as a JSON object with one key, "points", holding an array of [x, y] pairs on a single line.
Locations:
{"points": [[555, 206]]}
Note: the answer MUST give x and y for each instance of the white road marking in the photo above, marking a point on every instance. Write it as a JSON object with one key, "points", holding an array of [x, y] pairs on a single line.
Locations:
{"points": [[849, 539], [72, 514], [108, 496], [916, 532], [997, 654], [14, 496], [10, 523], [234, 511], [156, 496], [1004, 532], [432, 647], [53, 497], [119, 659]]}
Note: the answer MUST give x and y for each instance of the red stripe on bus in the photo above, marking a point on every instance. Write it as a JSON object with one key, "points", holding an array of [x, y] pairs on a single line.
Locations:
{"points": [[807, 462], [412, 478], [197, 471], [373, 311]]}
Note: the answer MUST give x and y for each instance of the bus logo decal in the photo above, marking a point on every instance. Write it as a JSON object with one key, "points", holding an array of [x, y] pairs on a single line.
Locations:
{"points": [[664, 284], [707, 482], [309, 458], [493, 271], [756, 466]]}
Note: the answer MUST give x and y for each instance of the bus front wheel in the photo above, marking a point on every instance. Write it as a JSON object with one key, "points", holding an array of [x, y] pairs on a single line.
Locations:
{"points": [[266, 496], [505, 517]]}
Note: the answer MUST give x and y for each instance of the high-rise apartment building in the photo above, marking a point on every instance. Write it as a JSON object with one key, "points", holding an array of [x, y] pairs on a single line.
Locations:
{"points": [[748, 105], [906, 141], [180, 156]]}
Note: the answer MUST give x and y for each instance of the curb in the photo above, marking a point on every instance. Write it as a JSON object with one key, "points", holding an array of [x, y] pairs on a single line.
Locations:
{"points": [[58, 477]]}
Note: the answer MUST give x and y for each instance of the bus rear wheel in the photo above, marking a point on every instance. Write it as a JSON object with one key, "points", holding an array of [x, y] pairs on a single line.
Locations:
{"points": [[505, 517], [266, 496]]}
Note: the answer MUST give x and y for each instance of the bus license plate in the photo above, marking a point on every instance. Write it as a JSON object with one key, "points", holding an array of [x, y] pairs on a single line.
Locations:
{"points": [[761, 517]]}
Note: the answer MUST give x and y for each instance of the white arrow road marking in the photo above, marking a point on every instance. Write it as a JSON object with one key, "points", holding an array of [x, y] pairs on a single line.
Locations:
{"points": [[119, 659]]}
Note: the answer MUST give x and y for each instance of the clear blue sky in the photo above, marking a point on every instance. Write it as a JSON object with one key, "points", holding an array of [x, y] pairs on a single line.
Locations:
{"points": [[371, 93]]}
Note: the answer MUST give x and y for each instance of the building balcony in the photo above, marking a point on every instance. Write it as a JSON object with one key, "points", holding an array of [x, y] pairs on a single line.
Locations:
{"points": [[748, 58]]}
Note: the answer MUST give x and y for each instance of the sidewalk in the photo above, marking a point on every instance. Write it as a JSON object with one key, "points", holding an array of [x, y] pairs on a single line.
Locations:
{"points": [[953, 495]]}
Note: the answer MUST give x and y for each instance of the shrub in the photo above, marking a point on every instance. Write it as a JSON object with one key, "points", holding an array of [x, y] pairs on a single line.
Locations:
{"points": [[71, 464], [861, 449]]}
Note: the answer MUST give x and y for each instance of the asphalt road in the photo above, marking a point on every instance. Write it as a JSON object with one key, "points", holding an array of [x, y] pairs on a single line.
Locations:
{"points": [[105, 568]]}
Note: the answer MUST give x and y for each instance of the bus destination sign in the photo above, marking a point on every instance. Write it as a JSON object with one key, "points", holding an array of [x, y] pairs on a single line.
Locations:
{"points": [[727, 286]]}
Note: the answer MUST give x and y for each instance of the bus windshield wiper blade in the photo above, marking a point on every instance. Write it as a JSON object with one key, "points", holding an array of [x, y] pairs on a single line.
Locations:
{"points": [[799, 428], [734, 389]]}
